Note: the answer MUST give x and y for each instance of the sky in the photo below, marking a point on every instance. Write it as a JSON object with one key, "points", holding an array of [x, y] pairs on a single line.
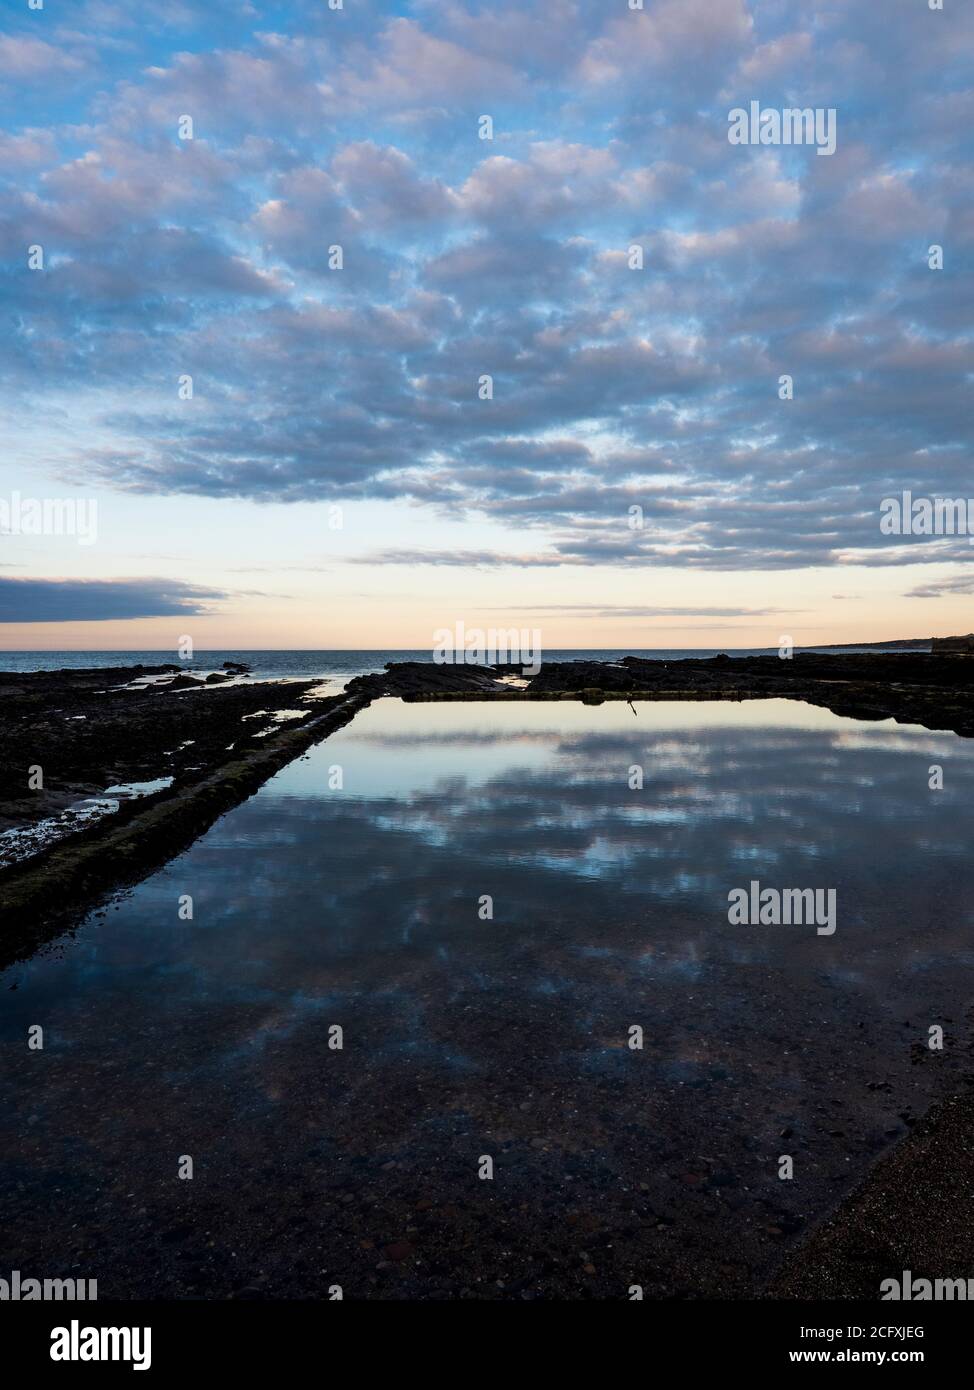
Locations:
{"points": [[342, 473]]}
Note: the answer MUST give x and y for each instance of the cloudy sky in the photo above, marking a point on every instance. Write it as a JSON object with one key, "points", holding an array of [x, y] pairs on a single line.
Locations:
{"points": [[336, 479]]}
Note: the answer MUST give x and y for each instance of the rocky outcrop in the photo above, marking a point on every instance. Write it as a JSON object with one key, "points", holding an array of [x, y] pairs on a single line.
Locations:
{"points": [[933, 690], [50, 891], [423, 678], [87, 729]]}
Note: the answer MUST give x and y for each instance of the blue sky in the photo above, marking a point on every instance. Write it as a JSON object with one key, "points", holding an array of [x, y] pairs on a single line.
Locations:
{"points": [[316, 388]]}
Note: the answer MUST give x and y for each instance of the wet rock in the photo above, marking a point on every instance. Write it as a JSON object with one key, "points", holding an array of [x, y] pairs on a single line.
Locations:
{"points": [[398, 1251]]}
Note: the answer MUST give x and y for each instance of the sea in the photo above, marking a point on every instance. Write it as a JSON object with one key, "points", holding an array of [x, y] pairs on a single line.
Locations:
{"points": [[339, 665]]}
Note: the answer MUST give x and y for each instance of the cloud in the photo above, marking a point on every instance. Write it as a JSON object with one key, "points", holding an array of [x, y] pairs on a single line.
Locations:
{"points": [[30, 147], [100, 600], [613, 387], [679, 43], [385, 185], [943, 588], [615, 611], [408, 65], [29, 59], [556, 181], [464, 559]]}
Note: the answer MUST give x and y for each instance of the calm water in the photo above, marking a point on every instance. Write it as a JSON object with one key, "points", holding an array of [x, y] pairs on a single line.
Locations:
{"points": [[463, 1038]]}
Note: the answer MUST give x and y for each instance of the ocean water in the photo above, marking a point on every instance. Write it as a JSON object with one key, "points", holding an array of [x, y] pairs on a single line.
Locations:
{"points": [[351, 893], [337, 665]]}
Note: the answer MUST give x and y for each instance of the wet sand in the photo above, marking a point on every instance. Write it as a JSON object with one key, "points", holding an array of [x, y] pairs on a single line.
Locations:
{"points": [[912, 1212]]}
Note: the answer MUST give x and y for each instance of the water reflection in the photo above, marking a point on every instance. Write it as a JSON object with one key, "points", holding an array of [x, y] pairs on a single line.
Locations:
{"points": [[462, 1037]]}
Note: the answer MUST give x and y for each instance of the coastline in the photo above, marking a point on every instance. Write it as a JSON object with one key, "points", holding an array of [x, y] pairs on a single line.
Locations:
{"points": [[123, 740], [883, 1225], [143, 835]]}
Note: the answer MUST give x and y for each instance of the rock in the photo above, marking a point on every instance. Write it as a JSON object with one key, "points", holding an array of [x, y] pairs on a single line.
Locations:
{"points": [[398, 1251], [426, 678]]}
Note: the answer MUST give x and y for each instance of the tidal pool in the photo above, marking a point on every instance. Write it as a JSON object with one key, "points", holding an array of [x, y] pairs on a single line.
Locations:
{"points": [[351, 893]]}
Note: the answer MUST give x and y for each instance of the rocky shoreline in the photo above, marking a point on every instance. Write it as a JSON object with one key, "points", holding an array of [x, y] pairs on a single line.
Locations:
{"points": [[219, 742], [935, 691], [213, 742], [87, 730]]}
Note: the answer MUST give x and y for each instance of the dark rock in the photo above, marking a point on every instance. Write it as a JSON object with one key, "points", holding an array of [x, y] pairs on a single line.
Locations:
{"points": [[399, 1250], [425, 679]]}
